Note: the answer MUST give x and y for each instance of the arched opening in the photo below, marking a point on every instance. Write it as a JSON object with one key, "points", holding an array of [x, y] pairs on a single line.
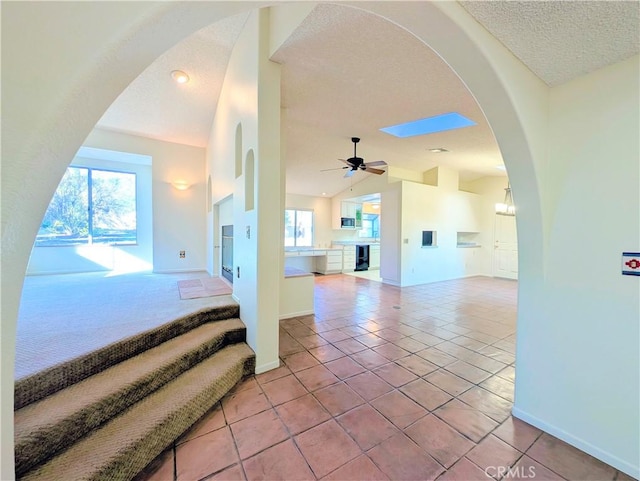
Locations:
{"points": [[436, 30]]}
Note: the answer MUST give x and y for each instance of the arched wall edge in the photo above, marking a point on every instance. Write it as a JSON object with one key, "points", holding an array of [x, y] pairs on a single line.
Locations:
{"points": [[44, 141]]}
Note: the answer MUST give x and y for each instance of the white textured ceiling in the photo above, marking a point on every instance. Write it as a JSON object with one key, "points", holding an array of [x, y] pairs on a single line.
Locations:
{"points": [[561, 40], [155, 106], [347, 73]]}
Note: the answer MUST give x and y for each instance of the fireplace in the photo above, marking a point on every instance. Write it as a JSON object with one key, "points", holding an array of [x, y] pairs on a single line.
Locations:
{"points": [[227, 252]]}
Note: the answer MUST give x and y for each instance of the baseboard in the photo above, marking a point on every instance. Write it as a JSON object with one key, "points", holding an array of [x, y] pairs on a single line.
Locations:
{"points": [[296, 314], [267, 367], [179, 271], [582, 445]]}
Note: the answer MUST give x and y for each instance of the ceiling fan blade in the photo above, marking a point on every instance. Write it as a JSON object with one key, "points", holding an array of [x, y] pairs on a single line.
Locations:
{"points": [[346, 161], [377, 162], [337, 168], [350, 173], [371, 170]]}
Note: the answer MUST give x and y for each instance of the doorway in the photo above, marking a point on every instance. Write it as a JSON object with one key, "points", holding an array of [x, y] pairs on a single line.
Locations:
{"points": [[505, 255]]}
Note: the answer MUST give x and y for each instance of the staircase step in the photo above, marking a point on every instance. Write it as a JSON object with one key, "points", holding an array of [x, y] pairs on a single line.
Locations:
{"points": [[122, 447], [44, 383], [50, 425]]}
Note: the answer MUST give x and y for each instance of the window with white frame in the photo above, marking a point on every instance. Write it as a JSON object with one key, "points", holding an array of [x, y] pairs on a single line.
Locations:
{"points": [[298, 228], [91, 206]]}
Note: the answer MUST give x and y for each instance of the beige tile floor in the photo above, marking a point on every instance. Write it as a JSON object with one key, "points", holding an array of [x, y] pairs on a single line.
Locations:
{"points": [[382, 383]]}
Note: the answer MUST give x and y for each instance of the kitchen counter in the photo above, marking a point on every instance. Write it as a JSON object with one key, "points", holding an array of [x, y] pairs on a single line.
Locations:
{"points": [[356, 243]]}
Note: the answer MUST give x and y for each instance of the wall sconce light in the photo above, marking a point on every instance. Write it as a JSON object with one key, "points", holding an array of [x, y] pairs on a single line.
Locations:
{"points": [[506, 207], [181, 185]]}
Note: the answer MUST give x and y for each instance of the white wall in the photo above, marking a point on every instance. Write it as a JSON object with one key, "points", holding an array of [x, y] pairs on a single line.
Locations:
{"points": [[178, 216], [578, 363], [323, 234], [411, 207], [491, 191], [447, 212], [103, 257], [250, 97]]}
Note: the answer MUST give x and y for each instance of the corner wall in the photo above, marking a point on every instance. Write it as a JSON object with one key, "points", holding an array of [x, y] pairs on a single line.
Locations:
{"points": [[578, 363], [178, 215], [250, 97]]}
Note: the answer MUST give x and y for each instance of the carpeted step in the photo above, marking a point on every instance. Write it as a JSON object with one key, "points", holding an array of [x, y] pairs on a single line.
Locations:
{"points": [[50, 425], [122, 447], [44, 383]]}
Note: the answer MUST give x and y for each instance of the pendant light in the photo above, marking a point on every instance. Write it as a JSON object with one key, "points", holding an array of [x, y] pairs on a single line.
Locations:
{"points": [[506, 207]]}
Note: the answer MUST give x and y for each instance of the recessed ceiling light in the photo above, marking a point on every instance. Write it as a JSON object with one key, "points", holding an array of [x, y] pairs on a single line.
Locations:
{"points": [[430, 125], [179, 76], [501, 167], [439, 150], [324, 193]]}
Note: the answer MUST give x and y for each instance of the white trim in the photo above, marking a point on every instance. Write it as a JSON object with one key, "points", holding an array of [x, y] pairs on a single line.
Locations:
{"points": [[289, 315], [581, 444], [113, 155], [179, 271], [268, 366]]}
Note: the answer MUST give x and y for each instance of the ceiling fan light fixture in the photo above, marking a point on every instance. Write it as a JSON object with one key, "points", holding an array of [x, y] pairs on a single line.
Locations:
{"points": [[180, 76]]}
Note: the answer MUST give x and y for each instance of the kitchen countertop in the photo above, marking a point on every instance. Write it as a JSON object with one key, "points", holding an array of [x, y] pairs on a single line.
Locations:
{"points": [[357, 243], [306, 249]]}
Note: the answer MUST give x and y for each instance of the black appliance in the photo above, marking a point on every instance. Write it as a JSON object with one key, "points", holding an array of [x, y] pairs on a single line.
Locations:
{"points": [[362, 257], [348, 222]]}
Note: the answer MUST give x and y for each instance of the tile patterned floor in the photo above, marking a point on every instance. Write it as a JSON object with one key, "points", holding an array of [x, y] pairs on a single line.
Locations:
{"points": [[383, 383]]}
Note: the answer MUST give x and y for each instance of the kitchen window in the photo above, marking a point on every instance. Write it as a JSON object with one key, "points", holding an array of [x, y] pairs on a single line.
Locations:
{"points": [[91, 206], [370, 226], [298, 228]]}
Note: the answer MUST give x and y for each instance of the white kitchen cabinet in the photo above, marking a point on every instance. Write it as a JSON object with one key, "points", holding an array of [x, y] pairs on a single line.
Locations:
{"points": [[346, 209], [331, 263], [354, 211], [374, 256], [349, 259]]}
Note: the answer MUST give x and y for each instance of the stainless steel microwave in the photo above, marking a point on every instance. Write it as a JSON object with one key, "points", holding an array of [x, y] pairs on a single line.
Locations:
{"points": [[347, 223]]}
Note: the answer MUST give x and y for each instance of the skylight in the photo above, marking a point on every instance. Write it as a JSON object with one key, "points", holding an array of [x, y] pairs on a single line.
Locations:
{"points": [[430, 125]]}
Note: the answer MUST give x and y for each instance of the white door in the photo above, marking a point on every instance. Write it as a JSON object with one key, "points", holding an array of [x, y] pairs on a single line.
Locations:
{"points": [[505, 254]]}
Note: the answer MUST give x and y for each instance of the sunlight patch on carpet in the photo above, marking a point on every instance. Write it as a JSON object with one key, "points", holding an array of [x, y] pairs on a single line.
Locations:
{"points": [[195, 288]]}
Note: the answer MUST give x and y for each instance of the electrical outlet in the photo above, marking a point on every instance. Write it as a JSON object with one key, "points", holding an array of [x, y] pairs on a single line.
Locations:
{"points": [[183, 254]]}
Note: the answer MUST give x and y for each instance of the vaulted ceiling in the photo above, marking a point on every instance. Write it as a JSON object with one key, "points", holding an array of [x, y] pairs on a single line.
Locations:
{"points": [[348, 73]]}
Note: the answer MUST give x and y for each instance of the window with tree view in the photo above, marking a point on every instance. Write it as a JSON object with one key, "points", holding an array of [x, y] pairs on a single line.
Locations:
{"points": [[298, 228], [91, 206]]}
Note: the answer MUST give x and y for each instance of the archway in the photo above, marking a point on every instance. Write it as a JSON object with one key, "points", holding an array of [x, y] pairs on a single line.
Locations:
{"points": [[46, 130]]}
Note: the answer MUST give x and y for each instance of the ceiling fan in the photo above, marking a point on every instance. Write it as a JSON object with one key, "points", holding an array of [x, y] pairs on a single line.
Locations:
{"points": [[354, 163]]}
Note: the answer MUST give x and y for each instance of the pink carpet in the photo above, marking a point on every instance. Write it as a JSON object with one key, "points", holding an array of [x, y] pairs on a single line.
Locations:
{"points": [[208, 287]]}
